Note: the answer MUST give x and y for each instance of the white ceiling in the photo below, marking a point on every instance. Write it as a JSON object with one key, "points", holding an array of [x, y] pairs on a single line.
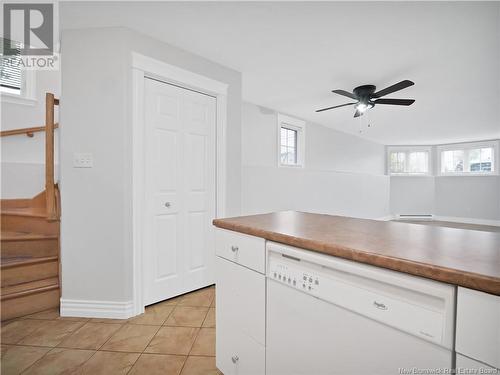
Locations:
{"points": [[293, 54]]}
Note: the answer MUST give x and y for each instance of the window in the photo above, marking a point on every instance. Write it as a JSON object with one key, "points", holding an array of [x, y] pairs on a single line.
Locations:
{"points": [[452, 161], [10, 74], [288, 154], [291, 141], [468, 158], [17, 85], [409, 161]]}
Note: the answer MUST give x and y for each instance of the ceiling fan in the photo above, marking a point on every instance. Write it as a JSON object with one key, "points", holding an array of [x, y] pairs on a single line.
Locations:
{"points": [[366, 97]]}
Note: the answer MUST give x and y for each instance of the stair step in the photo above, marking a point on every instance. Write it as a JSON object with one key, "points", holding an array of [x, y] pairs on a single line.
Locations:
{"points": [[29, 298], [23, 269], [27, 215], [36, 224], [24, 236], [24, 211], [19, 261], [28, 244], [31, 287]]}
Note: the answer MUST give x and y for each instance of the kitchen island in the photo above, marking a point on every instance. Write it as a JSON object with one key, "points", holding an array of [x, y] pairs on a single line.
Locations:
{"points": [[383, 276]]}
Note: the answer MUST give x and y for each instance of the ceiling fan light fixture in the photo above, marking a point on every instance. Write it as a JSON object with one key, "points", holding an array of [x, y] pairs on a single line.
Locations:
{"points": [[363, 107]]}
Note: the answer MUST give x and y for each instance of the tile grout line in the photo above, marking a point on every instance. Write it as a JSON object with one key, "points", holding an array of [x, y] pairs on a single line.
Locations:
{"points": [[197, 334], [84, 321], [206, 315], [54, 347], [163, 325], [93, 354], [149, 342]]}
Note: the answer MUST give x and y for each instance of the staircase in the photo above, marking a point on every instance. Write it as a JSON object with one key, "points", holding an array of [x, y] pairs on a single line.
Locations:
{"points": [[29, 238]]}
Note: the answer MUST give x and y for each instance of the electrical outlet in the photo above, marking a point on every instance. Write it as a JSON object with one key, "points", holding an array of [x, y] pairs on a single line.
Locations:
{"points": [[83, 160]]}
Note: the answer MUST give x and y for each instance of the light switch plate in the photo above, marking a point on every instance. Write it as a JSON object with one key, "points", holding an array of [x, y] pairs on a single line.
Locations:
{"points": [[83, 160]]}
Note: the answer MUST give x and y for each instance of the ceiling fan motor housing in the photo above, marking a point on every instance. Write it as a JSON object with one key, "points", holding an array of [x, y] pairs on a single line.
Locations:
{"points": [[365, 93]]}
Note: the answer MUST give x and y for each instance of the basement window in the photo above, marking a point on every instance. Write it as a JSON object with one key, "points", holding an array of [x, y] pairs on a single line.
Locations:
{"points": [[409, 161], [17, 85], [291, 141], [468, 159]]}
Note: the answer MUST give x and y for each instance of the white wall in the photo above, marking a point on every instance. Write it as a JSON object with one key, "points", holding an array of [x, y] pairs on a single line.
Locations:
{"points": [[412, 195], [96, 112], [343, 174], [460, 198], [23, 158], [475, 197], [455, 197]]}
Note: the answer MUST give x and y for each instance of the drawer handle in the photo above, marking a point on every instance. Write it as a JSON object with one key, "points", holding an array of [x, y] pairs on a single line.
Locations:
{"points": [[235, 358], [380, 306], [234, 248], [167, 204]]}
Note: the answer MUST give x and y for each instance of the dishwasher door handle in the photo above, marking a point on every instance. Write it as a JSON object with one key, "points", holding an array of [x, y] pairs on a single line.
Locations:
{"points": [[380, 305]]}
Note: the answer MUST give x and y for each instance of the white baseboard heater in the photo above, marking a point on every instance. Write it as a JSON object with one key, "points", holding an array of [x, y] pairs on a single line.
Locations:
{"points": [[415, 217]]}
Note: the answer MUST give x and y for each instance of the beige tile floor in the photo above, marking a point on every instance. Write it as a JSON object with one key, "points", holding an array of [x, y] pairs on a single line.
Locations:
{"points": [[176, 336]]}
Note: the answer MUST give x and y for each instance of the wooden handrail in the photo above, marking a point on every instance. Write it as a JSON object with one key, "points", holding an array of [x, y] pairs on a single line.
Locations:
{"points": [[50, 188], [50, 196], [30, 132]]}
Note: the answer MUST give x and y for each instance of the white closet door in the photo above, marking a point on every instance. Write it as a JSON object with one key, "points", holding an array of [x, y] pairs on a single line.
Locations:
{"points": [[180, 190]]}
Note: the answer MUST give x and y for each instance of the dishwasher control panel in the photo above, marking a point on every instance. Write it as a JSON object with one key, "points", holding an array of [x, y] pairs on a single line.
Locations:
{"points": [[287, 270], [414, 305]]}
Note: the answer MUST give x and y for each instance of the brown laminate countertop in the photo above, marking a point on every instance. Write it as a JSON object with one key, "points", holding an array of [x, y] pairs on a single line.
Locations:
{"points": [[462, 257]]}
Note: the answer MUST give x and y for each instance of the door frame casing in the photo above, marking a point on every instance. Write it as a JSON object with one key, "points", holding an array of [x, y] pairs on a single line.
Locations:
{"points": [[143, 67]]}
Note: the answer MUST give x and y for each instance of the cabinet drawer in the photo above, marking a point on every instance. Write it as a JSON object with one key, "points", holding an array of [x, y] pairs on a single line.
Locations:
{"points": [[478, 326], [250, 357], [245, 357], [241, 299], [249, 251], [240, 326]]}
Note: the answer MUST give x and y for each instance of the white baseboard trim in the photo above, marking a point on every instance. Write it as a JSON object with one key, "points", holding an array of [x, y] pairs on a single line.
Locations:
{"points": [[386, 218], [468, 220], [97, 309], [421, 217]]}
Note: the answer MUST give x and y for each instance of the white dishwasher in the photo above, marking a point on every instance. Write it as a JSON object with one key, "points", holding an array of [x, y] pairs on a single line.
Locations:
{"points": [[327, 315]]}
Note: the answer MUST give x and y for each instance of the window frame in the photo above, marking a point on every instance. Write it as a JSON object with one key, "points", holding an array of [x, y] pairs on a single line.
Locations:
{"points": [[466, 148], [295, 124], [407, 150], [27, 95]]}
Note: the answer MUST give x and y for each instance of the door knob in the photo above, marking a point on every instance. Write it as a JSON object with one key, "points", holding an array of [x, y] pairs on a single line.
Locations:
{"points": [[235, 358], [167, 204]]}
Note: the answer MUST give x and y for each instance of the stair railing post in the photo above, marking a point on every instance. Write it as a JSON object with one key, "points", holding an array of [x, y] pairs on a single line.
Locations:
{"points": [[49, 157]]}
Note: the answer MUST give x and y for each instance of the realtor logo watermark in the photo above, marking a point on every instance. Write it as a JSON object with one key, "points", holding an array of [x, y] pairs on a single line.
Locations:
{"points": [[28, 36]]}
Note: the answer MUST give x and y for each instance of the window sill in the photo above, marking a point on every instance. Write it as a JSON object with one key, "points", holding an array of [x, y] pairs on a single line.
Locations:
{"points": [[410, 175], [293, 166], [17, 99], [494, 174], [445, 175]]}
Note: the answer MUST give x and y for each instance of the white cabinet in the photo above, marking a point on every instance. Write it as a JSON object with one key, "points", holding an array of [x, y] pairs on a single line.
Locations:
{"points": [[478, 326], [241, 298], [249, 251]]}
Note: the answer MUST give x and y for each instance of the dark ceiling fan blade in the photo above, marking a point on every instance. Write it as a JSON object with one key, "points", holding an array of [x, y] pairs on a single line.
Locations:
{"points": [[395, 101], [358, 113], [345, 93], [396, 87], [336, 106]]}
